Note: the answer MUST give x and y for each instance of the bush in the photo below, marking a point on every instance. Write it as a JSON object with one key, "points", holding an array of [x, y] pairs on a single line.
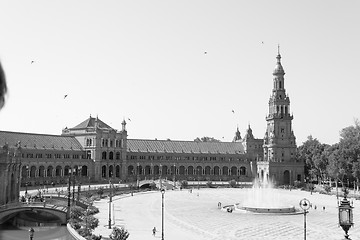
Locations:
{"points": [[92, 210], [76, 212], [209, 184], [75, 224], [232, 183], [184, 184], [327, 188], [92, 222], [100, 191], [152, 186], [119, 234]]}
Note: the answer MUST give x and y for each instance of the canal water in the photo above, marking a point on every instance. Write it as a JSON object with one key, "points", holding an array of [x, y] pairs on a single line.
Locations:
{"points": [[9, 232]]}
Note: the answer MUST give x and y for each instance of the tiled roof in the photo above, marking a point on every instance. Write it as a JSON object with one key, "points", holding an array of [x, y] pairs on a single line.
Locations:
{"points": [[39, 141], [140, 145], [90, 123]]}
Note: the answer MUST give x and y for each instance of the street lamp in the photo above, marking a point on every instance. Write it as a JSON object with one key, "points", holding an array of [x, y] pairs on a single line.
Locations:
{"points": [[345, 214], [162, 213], [305, 205], [137, 175], [31, 233], [110, 201], [174, 174]]}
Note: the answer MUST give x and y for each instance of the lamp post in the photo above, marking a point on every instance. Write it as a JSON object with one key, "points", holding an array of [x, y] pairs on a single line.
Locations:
{"points": [[305, 205], [110, 201], [345, 214], [69, 193], [160, 171], [31, 233], [174, 174], [137, 175], [162, 213], [74, 180]]}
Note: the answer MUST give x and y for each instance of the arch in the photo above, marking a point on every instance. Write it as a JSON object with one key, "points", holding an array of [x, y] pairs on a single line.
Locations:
{"points": [[67, 170], [147, 170], [217, 170], [286, 177], [164, 170], [262, 175], [76, 170], [24, 171], [117, 156], [242, 170], [199, 170], [190, 170], [49, 172], [103, 171], [233, 171], [84, 171], [156, 170], [173, 169], [225, 170], [181, 170], [103, 155], [41, 171], [117, 171], [139, 170], [111, 171], [58, 171], [130, 170], [207, 170], [88, 154], [111, 155]]}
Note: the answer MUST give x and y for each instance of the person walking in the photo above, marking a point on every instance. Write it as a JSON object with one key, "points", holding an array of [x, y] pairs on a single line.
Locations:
{"points": [[154, 231]]}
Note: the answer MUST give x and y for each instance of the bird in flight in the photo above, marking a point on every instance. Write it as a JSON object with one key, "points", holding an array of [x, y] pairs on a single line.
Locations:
{"points": [[262, 42], [129, 119], [205, 52], [232, 111], [65, 96], [32, 62]]}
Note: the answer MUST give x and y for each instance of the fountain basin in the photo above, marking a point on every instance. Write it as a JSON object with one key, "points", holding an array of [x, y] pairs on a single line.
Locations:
{"points": [[237, 208]]}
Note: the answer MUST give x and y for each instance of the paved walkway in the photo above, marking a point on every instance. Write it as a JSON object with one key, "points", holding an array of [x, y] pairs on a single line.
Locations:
{"points": [[195, 216]]}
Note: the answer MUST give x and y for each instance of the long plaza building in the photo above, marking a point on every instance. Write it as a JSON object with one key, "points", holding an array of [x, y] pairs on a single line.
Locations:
{"points": [[93, 151]]}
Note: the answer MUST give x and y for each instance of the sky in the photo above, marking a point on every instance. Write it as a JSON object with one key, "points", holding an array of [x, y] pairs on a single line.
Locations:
{"points": [[177, 69]]}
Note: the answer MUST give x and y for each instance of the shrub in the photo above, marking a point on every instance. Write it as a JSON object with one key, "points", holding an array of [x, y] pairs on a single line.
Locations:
{"points": [[119, 234], [209, 184], [327, 188], [75, 224], [152, 185], [92, 210], [184, 184], [92, 222], [100, 191], [76, 212], [232, 183]]}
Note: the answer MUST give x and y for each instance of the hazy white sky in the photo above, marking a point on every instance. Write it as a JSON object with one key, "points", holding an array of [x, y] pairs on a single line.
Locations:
{"points": [[145, 60]]}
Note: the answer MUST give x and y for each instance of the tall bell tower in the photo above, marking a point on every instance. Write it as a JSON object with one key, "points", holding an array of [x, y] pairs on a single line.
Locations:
{"points": [[279, 163]]}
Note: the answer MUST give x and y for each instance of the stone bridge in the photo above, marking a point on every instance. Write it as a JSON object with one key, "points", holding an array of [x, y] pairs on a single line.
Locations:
{"points": [[45, 210], [165, 183]]}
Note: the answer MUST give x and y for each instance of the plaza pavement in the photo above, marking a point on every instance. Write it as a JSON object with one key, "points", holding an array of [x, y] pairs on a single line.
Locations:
{"points": [[195, 216]]}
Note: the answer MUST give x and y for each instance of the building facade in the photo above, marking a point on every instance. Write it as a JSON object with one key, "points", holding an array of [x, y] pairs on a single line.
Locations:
{"points": [[93, 151]]}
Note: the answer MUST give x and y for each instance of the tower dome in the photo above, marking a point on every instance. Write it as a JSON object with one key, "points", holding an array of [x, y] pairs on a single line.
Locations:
{"points": [[279, 70]]}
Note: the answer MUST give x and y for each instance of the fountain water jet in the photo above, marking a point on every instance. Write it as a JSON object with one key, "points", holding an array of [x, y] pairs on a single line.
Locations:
{"points": [[262, 198]]}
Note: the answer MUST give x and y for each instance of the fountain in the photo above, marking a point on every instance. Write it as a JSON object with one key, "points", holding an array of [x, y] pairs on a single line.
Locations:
{"points": [[262, 198]]}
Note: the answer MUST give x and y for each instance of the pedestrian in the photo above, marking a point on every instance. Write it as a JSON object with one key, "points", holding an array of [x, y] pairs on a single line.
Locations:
{"points": [[154, 231], [323, 208], [315, 207], [219, 205], [3, 87]]}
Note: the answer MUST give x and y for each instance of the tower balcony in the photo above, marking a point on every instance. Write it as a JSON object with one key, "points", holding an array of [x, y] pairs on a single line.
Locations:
{"points": [[279, 116]]}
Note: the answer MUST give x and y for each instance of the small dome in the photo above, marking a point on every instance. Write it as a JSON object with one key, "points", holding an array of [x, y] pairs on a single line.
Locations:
{"points": [[278, 67]]}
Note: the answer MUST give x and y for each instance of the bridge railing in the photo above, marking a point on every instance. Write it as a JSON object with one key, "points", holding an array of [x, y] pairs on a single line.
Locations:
{"points": [[32, 204]]}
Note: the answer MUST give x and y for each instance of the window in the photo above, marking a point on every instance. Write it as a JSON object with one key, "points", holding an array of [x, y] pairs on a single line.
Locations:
{"points": [[133, 157], [117, 155], [66, 155], [48, 155], [29, 155], [76, 156], [212, 158], [142, 157], [177, 158], [151, 157], [38, 155], [168, 157], [111, 143], [160, 157], [57, 155]]}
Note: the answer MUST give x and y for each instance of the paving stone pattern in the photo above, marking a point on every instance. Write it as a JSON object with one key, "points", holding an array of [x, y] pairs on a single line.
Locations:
{"points": [[195, 215]]}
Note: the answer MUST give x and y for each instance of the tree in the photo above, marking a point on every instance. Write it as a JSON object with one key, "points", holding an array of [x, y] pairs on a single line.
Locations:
{"points": [[119, 234], [206, 139], [313, 154]]}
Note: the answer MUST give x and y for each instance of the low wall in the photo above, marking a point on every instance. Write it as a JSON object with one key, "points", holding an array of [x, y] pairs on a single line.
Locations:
{"points": [[74, 233]]}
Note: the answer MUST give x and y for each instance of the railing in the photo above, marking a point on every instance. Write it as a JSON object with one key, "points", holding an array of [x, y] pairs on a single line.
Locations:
{"points": [[32, 204]]}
